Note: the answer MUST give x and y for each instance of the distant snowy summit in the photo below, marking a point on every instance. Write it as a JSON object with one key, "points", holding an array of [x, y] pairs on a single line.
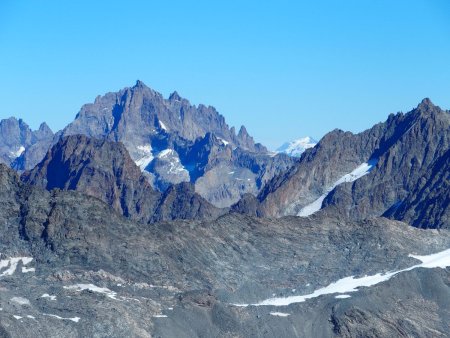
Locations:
{"points": [[297, 147]]}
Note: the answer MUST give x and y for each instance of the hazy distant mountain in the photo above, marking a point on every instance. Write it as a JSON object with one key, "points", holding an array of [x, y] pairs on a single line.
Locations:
{"points": [[21, 147], [297, 147]]}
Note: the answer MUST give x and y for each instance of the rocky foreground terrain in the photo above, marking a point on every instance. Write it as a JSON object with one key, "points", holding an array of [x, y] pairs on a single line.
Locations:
{"points": [[148, 217], [73, 268]]}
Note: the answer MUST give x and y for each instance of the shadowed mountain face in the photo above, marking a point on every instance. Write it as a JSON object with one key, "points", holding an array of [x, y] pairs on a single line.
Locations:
{"points": [[104, 170], [72, 267], [410, 156], [21, 147], [173, 141]]}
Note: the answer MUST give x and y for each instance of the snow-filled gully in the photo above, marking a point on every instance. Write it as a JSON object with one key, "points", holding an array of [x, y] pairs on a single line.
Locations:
{"points": [[359, 172], [351, 284]]}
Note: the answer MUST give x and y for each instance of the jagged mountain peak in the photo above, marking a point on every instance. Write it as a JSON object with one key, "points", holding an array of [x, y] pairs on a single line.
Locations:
{"points": [[175, 96], [426, 104], [16, 138], [394, 163], [129, 113]]}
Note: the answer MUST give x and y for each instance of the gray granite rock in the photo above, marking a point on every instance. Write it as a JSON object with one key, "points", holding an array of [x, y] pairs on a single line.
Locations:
{"points": [[409, 181], [104, 170], [97, 273]]}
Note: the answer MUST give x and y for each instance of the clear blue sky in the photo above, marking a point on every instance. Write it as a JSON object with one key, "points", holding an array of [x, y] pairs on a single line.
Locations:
{"points": [[284, 69]]}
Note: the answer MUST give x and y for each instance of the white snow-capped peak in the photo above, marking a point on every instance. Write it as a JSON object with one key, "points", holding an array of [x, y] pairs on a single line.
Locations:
{"points": [[297, 147]]}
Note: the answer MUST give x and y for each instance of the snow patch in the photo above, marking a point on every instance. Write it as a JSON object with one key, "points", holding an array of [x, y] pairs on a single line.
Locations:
{"points": [[46, 295], [145, 156], [160, 316], [164, 153], [74, 319], [93, 288], [25, 269], [11, 264], [280, 314], [162, 125], [359, 172], [18, 152], [17, 317], [20, 300], [352, 284], [342, 296], [225, 143], [171, 156]]}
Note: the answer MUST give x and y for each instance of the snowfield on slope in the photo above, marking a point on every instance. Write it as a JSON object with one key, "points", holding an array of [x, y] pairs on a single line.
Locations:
{"points": [[359, 172], [145, 156], [11, 265], [351, 284]]}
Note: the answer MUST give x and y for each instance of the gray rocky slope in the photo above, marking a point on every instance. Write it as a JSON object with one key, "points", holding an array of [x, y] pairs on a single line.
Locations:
{"points": [[170, 140], [173, 141], [95, 273], [104, 169], [409, 180]]}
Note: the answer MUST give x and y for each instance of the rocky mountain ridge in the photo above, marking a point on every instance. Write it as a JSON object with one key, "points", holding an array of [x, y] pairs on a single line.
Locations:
{"points": [[72, 267], [20, 146], [174, 141], [411, 154], [164, 138], [104, 169], [90, 248]]}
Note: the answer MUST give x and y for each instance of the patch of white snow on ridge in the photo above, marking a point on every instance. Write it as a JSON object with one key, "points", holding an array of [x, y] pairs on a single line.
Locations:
{"points": [[342, 296], [74, 319], [20, 300], [352, 284], [279, 314], [359, 172], [93, 288], [160, 316], [297, 147], [145, 156], [25, 269], [171, 156], [225, 143], [17, 317], [162, 125], [164, 153], [11, 264], [46, 295], [18, 152]]}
